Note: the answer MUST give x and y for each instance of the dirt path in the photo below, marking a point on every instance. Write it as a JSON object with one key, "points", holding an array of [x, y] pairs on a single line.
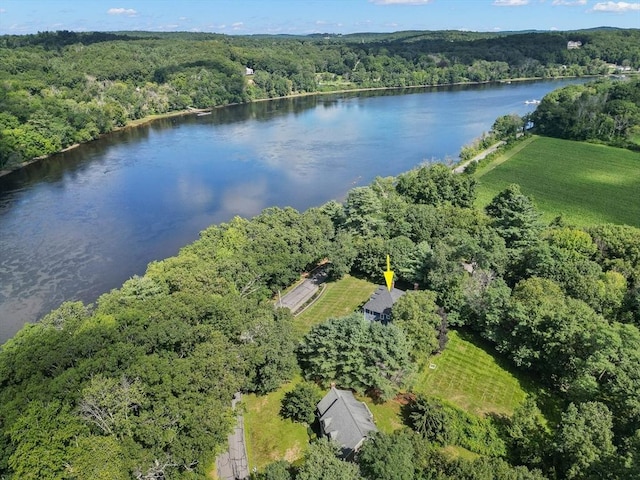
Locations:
{"points": [[481, 156]]}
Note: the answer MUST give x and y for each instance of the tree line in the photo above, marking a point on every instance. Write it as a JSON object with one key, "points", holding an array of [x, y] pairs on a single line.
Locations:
{"points": [[604, 111], [62, 88]]}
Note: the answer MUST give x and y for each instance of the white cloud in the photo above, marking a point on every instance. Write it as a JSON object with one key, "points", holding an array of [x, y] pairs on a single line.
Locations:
{"points": [[400, 2], [617, 7], [237, 25], [510, 3], [570, 3], [122, 11]]}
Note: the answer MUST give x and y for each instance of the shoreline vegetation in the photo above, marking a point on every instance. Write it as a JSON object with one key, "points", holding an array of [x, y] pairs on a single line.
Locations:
{"points": [[59, 89], [189, 111]]}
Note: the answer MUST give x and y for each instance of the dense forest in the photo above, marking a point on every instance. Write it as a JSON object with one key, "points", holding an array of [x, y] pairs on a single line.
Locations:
{"points": [[139, 384], [62, 88]]}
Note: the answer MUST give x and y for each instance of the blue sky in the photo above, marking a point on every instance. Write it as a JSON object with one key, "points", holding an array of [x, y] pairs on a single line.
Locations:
{"points": [[313, 16]]}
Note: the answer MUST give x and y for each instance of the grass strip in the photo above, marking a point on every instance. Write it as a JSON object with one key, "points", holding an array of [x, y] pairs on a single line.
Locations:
{"points": [[269, 436]]}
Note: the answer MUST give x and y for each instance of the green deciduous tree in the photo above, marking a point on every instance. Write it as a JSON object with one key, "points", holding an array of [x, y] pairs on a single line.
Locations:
{"points": [[387, 456], [300, 403], [416, 314], [269, 350], [98, 458], [507, 127], [109, 403], [42, 437], [321, 463], [584, 441], [279, 470], [528, 440], [437, 185]]}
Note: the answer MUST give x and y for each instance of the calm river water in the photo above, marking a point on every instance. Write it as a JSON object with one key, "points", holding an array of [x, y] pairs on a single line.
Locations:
{"points": [[80, 223]]}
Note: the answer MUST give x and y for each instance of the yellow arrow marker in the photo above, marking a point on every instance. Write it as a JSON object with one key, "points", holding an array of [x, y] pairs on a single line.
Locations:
{"points": [[388, 275]]}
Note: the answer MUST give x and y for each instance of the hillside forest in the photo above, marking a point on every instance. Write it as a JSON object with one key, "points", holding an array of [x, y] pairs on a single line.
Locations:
{"points": [[62, 88], [139, 384]]}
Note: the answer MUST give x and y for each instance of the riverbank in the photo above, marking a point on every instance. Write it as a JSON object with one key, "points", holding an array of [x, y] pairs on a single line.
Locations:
{"points": [[190, 111], [132, 124]]}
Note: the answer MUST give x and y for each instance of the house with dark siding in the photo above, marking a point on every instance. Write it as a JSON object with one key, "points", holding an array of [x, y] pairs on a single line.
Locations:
{"points": [[378, 308]]}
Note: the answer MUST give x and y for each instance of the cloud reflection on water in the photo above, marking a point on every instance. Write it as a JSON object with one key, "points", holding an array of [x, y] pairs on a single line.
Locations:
{"points": [[80, 223]]}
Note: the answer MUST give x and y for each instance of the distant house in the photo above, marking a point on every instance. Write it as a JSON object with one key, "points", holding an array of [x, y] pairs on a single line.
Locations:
{"points": [[571, 45], [248, 71], [345, 420], [378, 308]]}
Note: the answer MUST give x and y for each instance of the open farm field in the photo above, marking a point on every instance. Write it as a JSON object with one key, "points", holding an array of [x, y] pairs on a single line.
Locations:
{"points": [[583, 182]]}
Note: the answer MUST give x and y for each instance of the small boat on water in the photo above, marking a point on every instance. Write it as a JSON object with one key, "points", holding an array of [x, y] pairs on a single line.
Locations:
{"points": [[532, 102], [202, 114]]}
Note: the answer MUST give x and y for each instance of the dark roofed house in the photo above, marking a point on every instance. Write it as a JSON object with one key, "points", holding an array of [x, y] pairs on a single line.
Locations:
{"points": [[345, 420], [378, 308]]}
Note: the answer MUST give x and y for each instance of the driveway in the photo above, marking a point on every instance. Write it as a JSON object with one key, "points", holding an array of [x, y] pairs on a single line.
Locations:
{"points": [[298, 296], [234, 464]]}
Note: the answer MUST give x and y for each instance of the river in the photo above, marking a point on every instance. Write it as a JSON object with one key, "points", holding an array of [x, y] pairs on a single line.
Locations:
{"points": [[80, 223]]}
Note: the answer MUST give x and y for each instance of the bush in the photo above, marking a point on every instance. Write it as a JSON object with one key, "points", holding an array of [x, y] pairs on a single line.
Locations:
{"points": [[445, 424]]}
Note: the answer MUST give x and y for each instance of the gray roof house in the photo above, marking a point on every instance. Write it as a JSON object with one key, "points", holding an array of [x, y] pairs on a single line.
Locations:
{"points": [[378, 308], [345, 420]]}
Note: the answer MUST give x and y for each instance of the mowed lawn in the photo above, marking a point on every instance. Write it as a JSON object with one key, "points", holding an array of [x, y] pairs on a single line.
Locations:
{"points": [[270, 437], [471, 378], [585, 183], [337, 300]]}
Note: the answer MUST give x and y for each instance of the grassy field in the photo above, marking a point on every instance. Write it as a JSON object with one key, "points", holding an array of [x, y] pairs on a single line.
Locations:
{"points": [[270, 437], [584, 183], [470, 377], [338, 299]]}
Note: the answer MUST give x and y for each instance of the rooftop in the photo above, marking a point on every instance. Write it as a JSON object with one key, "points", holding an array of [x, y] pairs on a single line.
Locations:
{"points": [[345, 420]]}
